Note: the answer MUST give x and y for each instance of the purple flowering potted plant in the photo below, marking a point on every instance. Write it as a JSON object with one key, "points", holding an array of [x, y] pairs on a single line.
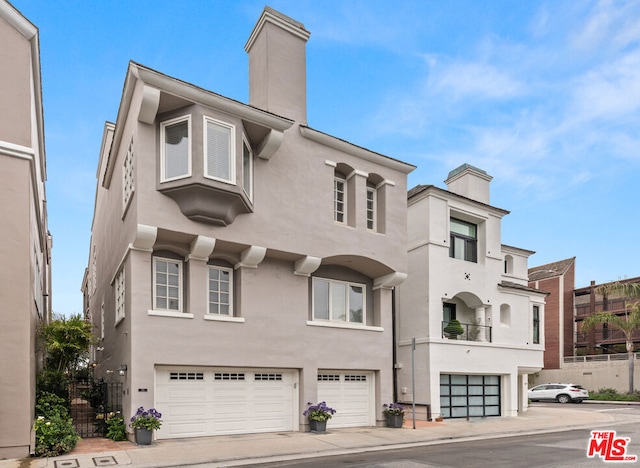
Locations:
{"points": [[394, 413], [143, 423], [318, 415]]}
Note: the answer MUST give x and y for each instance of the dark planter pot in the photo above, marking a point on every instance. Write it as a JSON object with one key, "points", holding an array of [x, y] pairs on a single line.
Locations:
{"points": [[143, 436], [394, 420], [318, 426]]}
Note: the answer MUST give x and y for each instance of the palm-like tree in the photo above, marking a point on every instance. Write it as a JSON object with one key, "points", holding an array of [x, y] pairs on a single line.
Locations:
{"points": [[628, 323]]}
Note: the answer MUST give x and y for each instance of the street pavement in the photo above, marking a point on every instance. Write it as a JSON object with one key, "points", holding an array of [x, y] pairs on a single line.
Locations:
{"points": [[238, 450]]}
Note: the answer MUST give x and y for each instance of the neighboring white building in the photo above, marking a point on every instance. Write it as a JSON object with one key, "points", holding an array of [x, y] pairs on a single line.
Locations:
{"points": [[459, 269]]}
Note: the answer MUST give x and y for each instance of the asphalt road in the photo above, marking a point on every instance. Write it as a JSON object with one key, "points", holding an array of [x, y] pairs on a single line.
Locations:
{"points": [[558, 449]]}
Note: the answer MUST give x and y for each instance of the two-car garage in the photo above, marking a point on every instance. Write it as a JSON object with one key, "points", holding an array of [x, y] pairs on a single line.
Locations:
{"points": [[208, 401]]}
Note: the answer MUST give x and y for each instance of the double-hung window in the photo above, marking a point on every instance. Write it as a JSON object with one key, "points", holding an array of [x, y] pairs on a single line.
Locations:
{"points": [[220, 290], [339, 199], [464, 240], [219, 150], [167, 281], [175, 149], [338, 301], [371, 208], [536, 324]]}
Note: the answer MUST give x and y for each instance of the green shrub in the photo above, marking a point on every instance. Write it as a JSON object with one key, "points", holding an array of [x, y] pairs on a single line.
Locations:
{"points": [[55, 433], [53, 381], [611, 394], [116, 428], [54, 436], [50, 405]]}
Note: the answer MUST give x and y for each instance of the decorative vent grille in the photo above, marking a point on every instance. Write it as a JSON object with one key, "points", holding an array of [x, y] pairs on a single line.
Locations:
{"points": [[355, 378], [186, 376], [228, 376], [268, 377], [328, 378]]}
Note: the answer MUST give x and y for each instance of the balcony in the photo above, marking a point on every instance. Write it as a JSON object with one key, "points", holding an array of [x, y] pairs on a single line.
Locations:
{"points": [[466, 332], [604, 336], [615, 306]]}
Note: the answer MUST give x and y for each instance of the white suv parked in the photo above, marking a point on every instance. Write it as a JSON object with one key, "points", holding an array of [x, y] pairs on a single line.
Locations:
{"points": [[563, 393]]}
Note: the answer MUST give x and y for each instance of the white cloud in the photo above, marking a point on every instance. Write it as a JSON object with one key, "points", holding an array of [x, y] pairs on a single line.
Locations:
{"points": [[473, 81], [532, 112]]}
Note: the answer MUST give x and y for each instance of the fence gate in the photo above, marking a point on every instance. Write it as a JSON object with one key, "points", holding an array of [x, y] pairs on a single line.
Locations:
{"points": [[92, 403]]}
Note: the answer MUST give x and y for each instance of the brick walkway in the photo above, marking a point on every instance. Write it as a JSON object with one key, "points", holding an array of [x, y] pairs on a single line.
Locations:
{"points": [[100, 445]]}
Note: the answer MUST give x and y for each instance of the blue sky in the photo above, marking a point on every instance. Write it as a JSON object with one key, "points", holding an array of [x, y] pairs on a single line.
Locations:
{"points": [[543, 95]]}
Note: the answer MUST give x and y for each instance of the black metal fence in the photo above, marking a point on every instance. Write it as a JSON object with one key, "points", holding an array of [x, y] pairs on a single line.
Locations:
{"points": [[92, 403]]}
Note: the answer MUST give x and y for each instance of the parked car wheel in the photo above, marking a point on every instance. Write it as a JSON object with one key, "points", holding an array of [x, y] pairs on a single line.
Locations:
{"points": [[564, 398]]}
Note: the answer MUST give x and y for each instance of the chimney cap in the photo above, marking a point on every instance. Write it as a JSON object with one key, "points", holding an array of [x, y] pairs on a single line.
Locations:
{"points": [[273, 16], [464, 167]]}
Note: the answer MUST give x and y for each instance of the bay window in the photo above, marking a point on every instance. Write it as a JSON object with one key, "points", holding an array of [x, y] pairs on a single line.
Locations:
{"points": [[219, 150], [175, 149]]}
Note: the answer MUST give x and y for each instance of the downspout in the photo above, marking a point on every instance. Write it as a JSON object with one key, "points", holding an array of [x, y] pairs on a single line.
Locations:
{"points": [[393, 332]]}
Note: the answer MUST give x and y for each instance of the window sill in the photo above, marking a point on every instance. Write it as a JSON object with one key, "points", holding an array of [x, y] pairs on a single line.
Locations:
{"points": [[317, 323], [223, 318], [167, 313]]}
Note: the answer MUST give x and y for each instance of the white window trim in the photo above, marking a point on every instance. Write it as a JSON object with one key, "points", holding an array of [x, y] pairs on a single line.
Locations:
{"points": [[339, 322], [171, 312], [250, 192], [374, 209], [232, 150], [231, 309], [120, 297], [223, 318], [127, 176], [102, 321], [351, 326], [163, 125], [344, 200]]}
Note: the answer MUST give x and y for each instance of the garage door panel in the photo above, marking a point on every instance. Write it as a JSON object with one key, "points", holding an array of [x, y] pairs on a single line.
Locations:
{"points": [[186, 429], [215, 402], [350, 395], [184, 394]]}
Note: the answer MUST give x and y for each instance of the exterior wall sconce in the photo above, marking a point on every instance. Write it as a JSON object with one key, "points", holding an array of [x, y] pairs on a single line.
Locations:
{"points": [[122, 370]]}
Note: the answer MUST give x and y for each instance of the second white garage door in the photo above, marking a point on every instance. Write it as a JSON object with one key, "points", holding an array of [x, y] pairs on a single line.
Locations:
{"points": [[198, 402], [350, 394]]}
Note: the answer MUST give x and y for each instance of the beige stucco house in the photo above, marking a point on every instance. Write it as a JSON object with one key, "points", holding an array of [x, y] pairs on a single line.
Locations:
{"points": [[26, 243], [241, 262], [460, 270]]}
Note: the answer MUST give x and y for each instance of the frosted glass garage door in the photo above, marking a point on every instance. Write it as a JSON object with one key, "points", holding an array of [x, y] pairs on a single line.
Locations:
{"points": [[464, 396]]}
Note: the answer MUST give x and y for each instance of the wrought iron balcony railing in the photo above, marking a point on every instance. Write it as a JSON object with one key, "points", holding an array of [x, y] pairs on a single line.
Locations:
{"points": [[466, 332]]}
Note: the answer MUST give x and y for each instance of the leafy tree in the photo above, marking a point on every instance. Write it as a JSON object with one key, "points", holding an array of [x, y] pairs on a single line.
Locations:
{"points": [[66, 343], [628, 323]]}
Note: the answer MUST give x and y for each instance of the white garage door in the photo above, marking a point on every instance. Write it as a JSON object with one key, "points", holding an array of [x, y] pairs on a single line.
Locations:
{"points": [[350, 394], [198, 402]]}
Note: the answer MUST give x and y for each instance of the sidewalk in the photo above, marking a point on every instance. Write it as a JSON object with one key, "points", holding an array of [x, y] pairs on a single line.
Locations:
{"points": [[273, 447]]}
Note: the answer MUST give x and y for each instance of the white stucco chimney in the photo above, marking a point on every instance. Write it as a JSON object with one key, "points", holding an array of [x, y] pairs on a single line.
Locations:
{"points": [[277, 65], [469, 182]]}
